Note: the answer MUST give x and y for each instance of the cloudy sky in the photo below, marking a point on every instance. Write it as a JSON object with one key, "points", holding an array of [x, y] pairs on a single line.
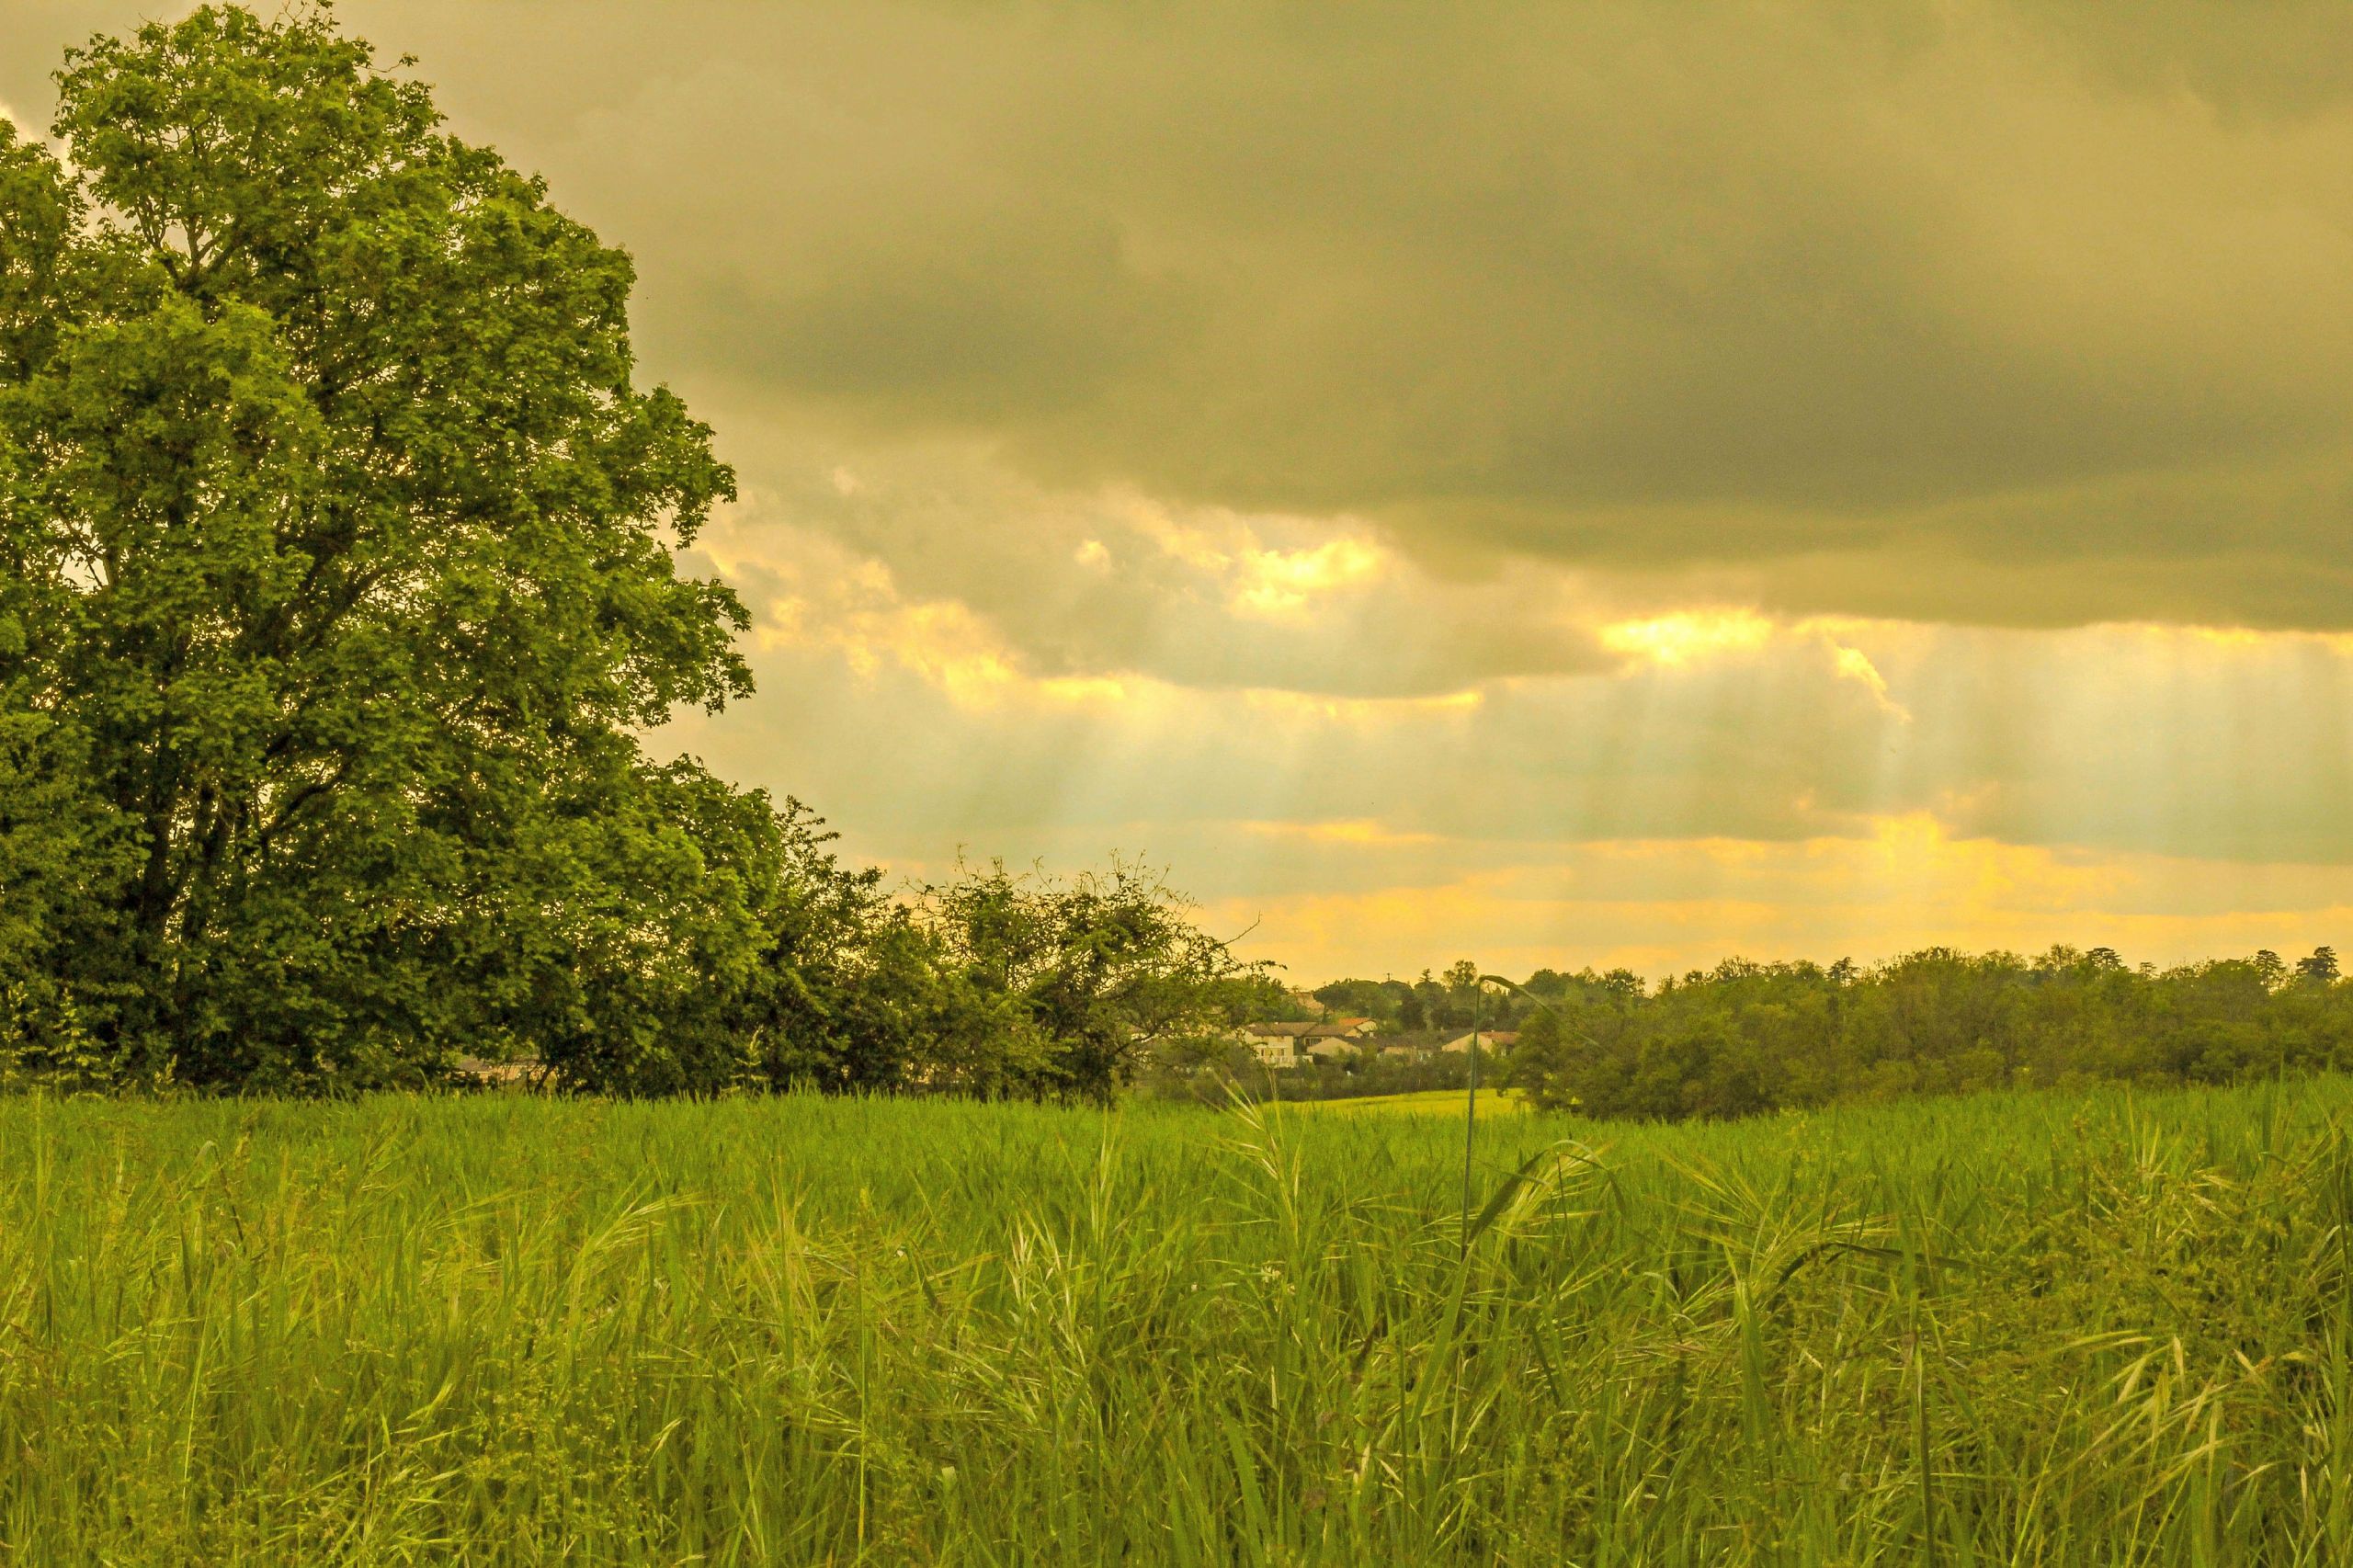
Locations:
{"points": [[1611, 483]]}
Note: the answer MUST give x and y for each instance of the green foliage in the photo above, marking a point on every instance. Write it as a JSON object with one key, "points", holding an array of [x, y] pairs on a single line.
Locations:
{"points": [[340, 552], [1379, 1000], [2102, 1327], [1102, 969], [1745, 1037], [1540, 1059]]}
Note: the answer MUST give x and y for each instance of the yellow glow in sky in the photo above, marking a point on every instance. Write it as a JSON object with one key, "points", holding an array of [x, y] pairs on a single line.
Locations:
{"points": [[1681, 638]]}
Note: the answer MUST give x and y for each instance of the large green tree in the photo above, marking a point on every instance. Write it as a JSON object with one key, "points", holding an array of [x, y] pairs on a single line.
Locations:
{"points": [[337, 578]]}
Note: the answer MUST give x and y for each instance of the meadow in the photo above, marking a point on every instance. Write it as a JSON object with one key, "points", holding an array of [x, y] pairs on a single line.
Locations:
{"points": [[2095, 1328]]}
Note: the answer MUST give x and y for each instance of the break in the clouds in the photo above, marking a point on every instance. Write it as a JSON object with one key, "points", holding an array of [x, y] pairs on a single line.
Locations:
{"points": [[1566, 481]]}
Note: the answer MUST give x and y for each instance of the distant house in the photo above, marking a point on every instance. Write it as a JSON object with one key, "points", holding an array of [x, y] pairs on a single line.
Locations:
{"points": [[1282, 1044], [1305, 1000], [1489, 1039], [1339, 1041], [1275, 1045]]}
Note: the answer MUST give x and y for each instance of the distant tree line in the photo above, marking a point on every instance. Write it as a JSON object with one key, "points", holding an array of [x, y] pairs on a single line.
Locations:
{"points": [[339, 586], [1451, 1000], [1745, 1037]]}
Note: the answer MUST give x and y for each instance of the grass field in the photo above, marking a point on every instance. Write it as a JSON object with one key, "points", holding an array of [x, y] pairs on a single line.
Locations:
{"points": [[1421, 1102], [2066, 1330]]}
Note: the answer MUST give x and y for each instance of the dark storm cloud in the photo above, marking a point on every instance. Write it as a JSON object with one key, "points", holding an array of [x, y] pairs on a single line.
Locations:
{"points": [[2025, 314]]}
